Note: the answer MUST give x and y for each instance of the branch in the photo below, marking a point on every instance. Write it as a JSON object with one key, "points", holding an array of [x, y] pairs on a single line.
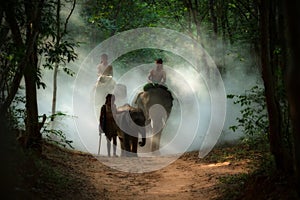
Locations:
{"points": [[71, 12], [10, 17], [242, 12], [31, 40]]}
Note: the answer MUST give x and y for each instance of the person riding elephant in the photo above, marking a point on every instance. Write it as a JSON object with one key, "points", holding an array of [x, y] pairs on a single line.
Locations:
{"points": [[104, 69], [158, 74], [104, 85]]}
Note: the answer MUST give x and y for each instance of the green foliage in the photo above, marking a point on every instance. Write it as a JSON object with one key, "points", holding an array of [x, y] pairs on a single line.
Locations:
{"points": [[254, 119], [116, 16], [236, 184], [17, 115], [50, 175], [51, 134], [242, 19], [236, 21], [56, 49], [141, 56], [44, 178], [55, 136], [59, 55], [12, 55]]}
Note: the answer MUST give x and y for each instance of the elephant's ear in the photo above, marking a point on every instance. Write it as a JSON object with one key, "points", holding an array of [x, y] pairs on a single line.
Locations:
{"points": [[138, 96]]}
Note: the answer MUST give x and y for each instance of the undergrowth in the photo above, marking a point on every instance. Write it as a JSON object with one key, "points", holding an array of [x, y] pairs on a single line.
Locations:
{"points": [[262, 181]]}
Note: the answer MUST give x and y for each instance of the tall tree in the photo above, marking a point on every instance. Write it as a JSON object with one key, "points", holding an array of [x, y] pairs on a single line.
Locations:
{"points": [[18, 62], [26, 28], [292, 14], [214, 20], [59, 49], [272, 74], [28, 61]]}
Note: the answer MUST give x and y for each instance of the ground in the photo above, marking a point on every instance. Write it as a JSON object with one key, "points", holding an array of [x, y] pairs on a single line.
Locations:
{"points": [[223, 174], [186, 178]]}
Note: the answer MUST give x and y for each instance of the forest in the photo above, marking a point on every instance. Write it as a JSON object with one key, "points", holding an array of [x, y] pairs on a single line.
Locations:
{"points": [[253, 45]]}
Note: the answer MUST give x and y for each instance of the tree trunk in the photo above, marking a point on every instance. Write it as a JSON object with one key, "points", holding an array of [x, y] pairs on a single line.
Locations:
{"points": [[292, 14], [32, 127], [213, 18], [269, 83], [223, 19], [193, 10], [9, 9], [59, 35], [54, 94], [33, 13], [58, 38]]}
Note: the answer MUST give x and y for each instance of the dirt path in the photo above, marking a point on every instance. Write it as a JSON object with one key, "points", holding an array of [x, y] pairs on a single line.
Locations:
{"points": [[187, 178]]}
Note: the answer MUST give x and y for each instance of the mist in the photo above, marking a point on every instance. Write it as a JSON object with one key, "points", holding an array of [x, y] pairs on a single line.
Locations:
{"points": [[190, 126]]}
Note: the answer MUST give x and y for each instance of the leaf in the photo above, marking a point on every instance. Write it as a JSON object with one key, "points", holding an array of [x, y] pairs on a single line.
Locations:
{"points": [[230, 96]]}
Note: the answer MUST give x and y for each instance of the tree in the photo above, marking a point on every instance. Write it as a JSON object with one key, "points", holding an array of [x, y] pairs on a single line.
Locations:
{"points": [[62, 50], [27, 27], [273, 71], [213, 17], [292, 14], [26, 61]]}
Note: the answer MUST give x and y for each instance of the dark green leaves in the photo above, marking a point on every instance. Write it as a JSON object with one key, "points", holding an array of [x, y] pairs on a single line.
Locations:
{"points": [[59, 54], [253, 120]]}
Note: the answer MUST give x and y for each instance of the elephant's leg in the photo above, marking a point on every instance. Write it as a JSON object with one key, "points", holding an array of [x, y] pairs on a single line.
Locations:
{"points": [[122, 145], [115, 145], [134, 142], [156, 131], [132, 151], [156, 141], [157, 115], [121, 138], [127, 144]]}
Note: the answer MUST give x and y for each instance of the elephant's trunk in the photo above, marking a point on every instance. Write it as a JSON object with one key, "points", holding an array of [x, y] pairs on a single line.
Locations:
{"points": [[143, 133], [143, 142]]}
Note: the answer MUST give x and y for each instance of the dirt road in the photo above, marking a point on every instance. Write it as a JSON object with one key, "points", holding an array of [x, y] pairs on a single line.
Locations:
{"points": [[186, 178]]}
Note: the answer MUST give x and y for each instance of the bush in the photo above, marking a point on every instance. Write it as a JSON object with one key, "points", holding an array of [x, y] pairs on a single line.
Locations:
{"points": [[254, 118]]}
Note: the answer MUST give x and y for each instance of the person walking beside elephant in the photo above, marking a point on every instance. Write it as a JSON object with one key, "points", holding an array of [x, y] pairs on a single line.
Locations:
{"points": [[107, 123]]}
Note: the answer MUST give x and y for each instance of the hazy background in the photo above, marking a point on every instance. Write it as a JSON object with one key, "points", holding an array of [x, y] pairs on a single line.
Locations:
{"points": [[190, 117]]}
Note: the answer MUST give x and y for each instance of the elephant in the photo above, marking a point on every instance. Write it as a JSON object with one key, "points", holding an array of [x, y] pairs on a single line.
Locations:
{"points": [[131, 122], [147, 100]]}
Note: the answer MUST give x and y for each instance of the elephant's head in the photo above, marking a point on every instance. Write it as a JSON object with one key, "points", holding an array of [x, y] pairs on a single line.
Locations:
{"points": [[159, 95]]}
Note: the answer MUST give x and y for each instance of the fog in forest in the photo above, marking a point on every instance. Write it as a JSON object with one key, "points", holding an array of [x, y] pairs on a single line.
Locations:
{"points": [[190, 118]]}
